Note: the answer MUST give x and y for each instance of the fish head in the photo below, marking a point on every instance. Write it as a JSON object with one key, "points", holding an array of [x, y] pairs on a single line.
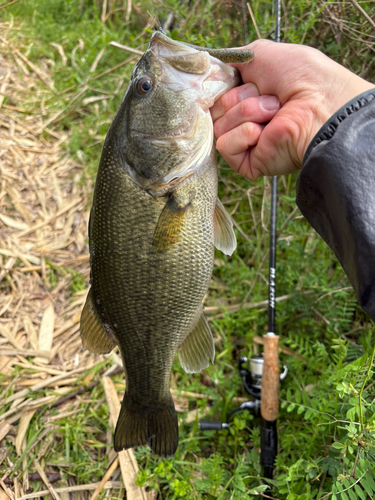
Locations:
{"points": [[164, 129]]}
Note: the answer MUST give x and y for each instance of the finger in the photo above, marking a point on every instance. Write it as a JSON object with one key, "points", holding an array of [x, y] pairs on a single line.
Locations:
{"points": [[243, 165], [234, 145], [258, 109], [232, 98]]}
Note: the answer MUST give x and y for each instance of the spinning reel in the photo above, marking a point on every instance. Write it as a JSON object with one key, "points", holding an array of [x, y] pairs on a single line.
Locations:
{"points": [[252, 382]]}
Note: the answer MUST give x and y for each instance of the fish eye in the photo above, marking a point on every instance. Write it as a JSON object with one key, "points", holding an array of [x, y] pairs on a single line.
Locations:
{"points": [[144, 85]]}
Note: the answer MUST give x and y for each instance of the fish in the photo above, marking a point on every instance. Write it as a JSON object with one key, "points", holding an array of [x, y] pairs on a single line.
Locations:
{"points": [[154, 223]]}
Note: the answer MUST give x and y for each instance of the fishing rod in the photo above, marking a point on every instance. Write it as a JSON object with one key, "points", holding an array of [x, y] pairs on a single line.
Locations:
{"points": [[271, 378], [262, 379]]}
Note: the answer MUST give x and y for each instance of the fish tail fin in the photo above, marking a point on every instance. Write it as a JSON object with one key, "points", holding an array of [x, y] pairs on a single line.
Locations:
{"points": [[156, 427]]}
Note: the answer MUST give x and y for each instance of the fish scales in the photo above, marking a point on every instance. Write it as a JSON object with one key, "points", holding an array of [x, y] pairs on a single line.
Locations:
{"points": [[153, 225], [161, 290]]}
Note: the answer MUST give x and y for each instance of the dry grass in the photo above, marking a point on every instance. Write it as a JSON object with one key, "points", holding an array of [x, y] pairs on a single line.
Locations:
{"points": [[43, 260], [354, 33]]}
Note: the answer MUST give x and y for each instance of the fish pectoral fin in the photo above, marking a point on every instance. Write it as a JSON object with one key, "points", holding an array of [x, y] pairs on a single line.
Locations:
{"points": [[224, 237], [170, 224], [94, 336], [198, 348]]}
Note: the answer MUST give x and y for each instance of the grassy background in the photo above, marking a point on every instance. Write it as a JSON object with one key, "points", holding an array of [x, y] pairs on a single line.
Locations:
{"points": [[326, 422]]}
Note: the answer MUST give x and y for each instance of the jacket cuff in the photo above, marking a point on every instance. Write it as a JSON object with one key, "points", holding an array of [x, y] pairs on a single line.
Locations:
{"points": [[327, 131], [336, 192]]}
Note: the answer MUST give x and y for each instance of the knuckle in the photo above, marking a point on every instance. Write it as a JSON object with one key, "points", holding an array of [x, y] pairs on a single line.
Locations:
{"points": [[246, 107], [220, 144], [217, 128], [248, 128], [230, 99]]}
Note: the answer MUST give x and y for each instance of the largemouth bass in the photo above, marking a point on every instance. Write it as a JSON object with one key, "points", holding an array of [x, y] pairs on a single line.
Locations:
{"points": [[154, 222]]}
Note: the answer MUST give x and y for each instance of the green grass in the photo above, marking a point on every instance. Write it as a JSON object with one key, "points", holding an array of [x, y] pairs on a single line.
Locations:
{"points": [[326, 421]]}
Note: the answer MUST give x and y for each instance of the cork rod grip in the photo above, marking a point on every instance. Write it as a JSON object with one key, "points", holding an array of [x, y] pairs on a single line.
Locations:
{"points": [[270, 379]]}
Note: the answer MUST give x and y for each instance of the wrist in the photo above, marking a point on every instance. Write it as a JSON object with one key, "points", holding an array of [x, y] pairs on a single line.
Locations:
{"points": [[324, 96], [328, 129]]}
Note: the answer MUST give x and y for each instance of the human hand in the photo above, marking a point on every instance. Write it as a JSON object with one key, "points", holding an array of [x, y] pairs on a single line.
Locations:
{"points": [[294, 88]]}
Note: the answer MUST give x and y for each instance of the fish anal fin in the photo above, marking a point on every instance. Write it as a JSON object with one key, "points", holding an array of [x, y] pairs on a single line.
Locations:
{"points": [[156, 427], [198, 348], [170, 224], [93, 334], [224, 237]]}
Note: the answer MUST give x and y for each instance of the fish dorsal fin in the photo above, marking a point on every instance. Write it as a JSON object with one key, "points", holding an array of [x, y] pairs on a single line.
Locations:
{"points": [[93, 334], [224, 237], [170, 225], [198, 348]]}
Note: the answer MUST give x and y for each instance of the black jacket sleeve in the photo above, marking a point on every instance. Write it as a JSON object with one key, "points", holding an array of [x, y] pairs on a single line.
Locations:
{"points": [[336, 192]]}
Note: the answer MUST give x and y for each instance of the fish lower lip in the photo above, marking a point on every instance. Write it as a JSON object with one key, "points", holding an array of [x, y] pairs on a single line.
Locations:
{"points": [[207, 101]]}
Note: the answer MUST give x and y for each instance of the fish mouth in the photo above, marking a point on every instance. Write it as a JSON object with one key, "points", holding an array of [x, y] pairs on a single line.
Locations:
{"points": [[165, 46], [183, 66], [223, 84]]}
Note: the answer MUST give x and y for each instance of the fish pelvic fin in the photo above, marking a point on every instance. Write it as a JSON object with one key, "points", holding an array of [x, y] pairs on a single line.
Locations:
{"points": [[138, 425], [224, 237], [198, 348], [170, 224], [93, 334]]}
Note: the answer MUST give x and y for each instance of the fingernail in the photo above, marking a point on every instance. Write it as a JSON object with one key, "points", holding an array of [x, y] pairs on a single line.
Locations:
{"points": [[249, 90], [270, 103]]}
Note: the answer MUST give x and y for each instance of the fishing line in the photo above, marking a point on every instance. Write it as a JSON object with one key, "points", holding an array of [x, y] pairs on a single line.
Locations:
{"points": [[273, 236]]}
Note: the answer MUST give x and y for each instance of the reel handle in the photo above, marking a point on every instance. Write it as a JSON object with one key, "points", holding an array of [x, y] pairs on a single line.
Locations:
{"points": [[211, 425]]}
